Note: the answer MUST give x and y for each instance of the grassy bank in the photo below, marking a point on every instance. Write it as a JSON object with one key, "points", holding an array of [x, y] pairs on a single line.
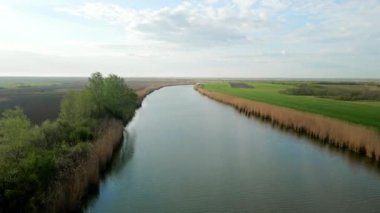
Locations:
{"points": [[360, 112], [356, 138]]}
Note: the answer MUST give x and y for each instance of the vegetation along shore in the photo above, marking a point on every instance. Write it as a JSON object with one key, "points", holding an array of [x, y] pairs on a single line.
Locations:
{"points": [[51, 167], [308, 115]]}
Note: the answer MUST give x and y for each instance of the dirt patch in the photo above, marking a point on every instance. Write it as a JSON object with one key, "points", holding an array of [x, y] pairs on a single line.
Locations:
{"points": [[241, 85]]}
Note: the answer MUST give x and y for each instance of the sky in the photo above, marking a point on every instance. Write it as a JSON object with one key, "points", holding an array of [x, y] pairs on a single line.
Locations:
{"points": [[205, 38]]}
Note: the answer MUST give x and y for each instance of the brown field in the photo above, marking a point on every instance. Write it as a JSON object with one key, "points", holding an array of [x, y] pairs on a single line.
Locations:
{"points": [[349, 136], [40, 98]]}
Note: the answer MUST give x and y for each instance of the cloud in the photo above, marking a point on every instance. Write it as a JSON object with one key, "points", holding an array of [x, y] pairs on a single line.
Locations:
{"points": [[244, 4], [185, 24], [235, 37], [213, 23], [348, 27], [4, 11]]}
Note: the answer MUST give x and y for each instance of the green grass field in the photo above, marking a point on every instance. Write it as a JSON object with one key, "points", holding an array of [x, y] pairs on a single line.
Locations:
{"points": [[366, 113]]}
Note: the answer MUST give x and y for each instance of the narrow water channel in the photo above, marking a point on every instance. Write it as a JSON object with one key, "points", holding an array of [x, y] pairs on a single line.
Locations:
{"points": [[186, 153]]}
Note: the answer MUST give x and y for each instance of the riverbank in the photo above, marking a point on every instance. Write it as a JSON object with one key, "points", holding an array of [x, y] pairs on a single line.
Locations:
{"points": [[75, 183], [213, 159], [359, 112], [52, 167], [356, 138], [142, 93]]}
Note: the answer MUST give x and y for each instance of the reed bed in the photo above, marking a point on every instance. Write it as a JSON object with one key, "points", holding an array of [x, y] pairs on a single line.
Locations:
{"points": [[353, 137], [76, 181], [142, 93]]}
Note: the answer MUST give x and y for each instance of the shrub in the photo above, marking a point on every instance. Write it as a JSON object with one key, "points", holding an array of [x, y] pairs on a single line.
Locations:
{"points": [[32, 156]]}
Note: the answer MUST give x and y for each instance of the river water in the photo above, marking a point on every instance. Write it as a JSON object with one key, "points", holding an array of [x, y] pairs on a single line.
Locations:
{"points": [[186, 153]]}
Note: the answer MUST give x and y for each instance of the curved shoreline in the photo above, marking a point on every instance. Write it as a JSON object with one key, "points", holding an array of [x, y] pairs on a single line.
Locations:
{"points": [[341, 134], [69, 191], [142, 93], [74, 184]]}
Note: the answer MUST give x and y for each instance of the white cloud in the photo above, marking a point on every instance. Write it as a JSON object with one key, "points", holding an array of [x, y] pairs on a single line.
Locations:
{"points": [[4, 11], [232, 37], [244, 4], [237, 22], [345, 28], [186, 24], [208, 2]]}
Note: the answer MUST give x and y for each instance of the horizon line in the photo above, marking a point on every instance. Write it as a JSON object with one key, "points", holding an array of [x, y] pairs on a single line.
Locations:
{"points": [[210, 77]]}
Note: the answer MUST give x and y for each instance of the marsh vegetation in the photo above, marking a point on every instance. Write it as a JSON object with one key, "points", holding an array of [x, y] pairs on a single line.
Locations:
{"points": [[38, 162]]}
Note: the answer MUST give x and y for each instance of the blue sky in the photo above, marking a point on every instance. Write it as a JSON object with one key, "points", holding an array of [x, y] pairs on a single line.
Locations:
{"points": [[205, 38]]}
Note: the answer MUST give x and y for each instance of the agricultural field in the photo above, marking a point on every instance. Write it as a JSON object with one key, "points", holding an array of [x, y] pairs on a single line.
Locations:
{"points": [[363, 111], [40, 97]]}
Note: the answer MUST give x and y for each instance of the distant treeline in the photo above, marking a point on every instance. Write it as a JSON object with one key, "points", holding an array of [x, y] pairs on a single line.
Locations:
{"points": [[348, 91], [32, 158]]}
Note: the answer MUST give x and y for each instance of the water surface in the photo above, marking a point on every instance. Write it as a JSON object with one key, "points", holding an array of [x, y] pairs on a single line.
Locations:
{"points": [[186, 153]]}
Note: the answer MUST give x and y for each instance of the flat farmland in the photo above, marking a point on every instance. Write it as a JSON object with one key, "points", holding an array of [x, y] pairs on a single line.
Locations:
{"points": [[40, 97], [364, 112]]}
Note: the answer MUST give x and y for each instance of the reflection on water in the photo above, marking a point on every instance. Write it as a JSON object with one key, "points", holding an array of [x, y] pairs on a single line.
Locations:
{"points": [[124, 154], [120, 159], [187, 153], [356, 160]]}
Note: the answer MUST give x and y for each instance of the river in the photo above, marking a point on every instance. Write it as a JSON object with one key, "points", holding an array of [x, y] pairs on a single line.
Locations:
{"points": [[183, 152]]}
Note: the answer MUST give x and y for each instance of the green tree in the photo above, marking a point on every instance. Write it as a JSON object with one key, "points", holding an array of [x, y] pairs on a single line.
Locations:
{"points": [[49, 136], [111, 96], [24, 168], [75, 118], [119, 99], [95, 88], [16, 133], [30, 156]]}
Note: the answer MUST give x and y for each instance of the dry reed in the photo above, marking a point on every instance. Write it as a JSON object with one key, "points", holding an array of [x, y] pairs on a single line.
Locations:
{"points": [[142, 93], [357, 138], [77, 178], [75, 181]]}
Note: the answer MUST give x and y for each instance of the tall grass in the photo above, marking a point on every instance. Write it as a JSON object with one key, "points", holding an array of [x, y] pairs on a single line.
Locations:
{"points": [[342, 134], [142, 93], [74, 181]]}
